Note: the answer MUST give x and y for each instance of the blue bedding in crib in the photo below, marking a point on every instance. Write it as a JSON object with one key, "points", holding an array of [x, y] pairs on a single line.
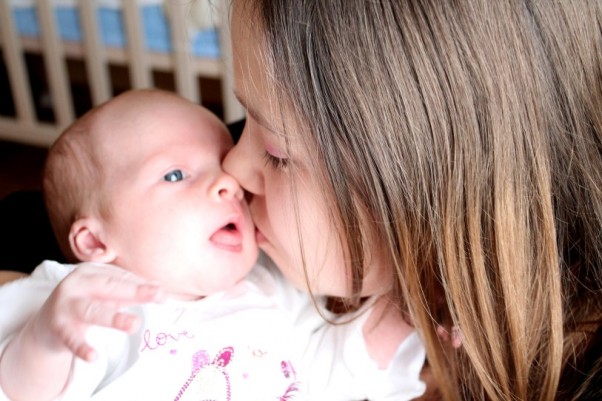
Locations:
{"points": [[157, 37]]}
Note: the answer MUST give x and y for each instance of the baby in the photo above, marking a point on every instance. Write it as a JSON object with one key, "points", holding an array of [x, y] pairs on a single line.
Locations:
{"points": [[137, 183]]}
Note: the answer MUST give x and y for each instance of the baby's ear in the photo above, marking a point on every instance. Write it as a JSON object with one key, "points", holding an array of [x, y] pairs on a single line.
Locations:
{"points": [[85, 239]]}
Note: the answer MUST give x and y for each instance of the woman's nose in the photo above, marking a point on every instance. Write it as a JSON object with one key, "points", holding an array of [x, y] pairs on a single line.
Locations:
{"points": [[226, 187], [241, 163]]}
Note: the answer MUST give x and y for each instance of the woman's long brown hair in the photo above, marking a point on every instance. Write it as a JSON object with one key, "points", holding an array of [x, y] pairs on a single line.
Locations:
{"points": [[469, 132]]}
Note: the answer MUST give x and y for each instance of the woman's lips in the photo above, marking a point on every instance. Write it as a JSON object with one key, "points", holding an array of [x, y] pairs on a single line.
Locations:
{"points": [[228, 238], [259, 237]]}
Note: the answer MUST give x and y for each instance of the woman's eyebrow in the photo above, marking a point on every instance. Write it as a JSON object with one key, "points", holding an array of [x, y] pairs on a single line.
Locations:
{"points": [[253, 113]]}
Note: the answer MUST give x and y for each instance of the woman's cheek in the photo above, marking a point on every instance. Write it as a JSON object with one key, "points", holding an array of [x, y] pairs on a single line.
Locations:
{"points": [[283, 220], [305, 214], [323, 251]]}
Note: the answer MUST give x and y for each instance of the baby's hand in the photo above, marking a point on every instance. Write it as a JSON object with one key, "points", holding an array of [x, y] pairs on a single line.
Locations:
{"points": [[91, 295]]}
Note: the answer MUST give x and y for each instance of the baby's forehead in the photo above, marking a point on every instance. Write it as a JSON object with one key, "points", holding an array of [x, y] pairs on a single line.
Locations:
{"points": [[153, 107], [129, 127]]}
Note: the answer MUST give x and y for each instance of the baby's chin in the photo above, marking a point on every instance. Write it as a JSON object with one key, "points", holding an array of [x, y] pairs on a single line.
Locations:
{"points": [[190, 294]]}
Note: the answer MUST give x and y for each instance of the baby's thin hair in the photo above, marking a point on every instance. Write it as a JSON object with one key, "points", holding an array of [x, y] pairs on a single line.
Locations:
{"points": [[72, 177]]}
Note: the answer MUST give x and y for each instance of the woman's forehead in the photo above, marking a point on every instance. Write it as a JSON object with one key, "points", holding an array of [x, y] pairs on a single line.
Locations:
{"points": [[255, 89], [255, 86]]}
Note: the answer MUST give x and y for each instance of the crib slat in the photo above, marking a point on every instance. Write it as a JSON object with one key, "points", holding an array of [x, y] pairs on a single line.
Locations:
{"points": [[140, 71], [38, 134], [233, 110], [186, 83], [55, 65], [96, 60], [25, 127], [13, 57]]}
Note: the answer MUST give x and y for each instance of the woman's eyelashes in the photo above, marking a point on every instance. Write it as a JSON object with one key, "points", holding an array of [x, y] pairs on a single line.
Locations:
{"points": [[276, 163], [174, 176], [275, 157]]}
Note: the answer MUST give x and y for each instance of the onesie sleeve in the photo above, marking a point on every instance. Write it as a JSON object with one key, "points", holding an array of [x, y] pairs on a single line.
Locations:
{"points": [[20, 299]]}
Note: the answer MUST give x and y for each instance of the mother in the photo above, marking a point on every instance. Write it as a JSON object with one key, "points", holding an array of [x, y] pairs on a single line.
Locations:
{"points": [[446, 155]]}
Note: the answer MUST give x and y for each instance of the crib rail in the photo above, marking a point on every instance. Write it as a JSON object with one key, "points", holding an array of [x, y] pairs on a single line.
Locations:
{"points": [[24, 127]]}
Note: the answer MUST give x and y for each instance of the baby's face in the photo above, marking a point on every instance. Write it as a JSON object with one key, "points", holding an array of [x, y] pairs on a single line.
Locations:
{"points": [[176, 216]]}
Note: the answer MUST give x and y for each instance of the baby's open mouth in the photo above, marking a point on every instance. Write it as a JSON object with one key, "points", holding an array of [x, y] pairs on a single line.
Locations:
{"points": [[228, 238]]}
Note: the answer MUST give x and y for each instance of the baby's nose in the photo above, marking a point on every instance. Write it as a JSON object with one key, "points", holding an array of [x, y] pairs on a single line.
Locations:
{"points": [[226, 187]]}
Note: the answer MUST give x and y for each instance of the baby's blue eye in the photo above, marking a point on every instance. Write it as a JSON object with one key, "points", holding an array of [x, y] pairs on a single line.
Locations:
{"points": [[173, 176]]}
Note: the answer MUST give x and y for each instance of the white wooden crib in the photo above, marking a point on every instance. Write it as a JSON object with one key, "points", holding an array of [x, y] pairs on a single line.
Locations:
{"points": [[24, 125]]}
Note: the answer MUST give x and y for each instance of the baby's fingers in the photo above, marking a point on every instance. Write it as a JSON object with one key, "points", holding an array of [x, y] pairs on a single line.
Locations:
{"points": [[104, 313], [74, 340], [111, 283], [85, 352], [126, 289], [125, 322], [148, 293], [81, 349]]}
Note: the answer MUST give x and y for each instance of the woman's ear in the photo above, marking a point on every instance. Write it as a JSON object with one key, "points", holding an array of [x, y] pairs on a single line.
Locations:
{"points": [[86, 241]]}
